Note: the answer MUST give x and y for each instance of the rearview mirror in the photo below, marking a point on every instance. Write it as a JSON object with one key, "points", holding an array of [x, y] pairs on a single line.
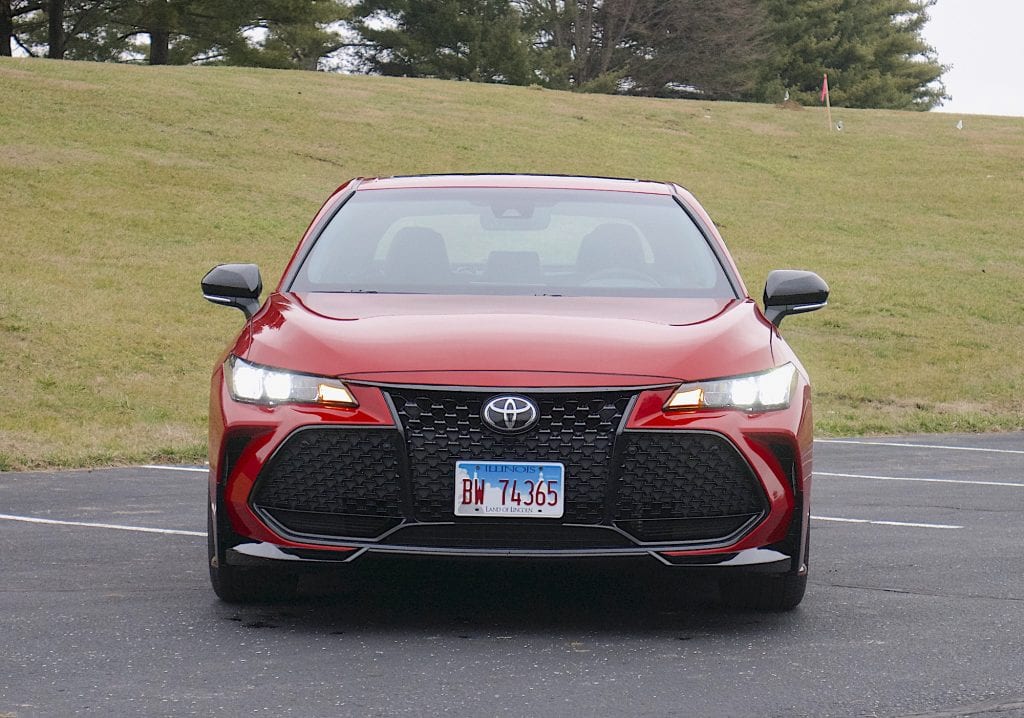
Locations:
{"points": [[791, 291], [234, 285]]}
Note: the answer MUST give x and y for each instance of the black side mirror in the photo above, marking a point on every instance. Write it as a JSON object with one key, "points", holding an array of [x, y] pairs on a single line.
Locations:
{"points": [[790, 291], [234, 285]]}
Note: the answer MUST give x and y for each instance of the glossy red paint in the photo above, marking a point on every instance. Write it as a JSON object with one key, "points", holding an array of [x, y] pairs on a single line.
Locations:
{"points": [[753, 434], [266, 428], [638, 342], [515, 343]]}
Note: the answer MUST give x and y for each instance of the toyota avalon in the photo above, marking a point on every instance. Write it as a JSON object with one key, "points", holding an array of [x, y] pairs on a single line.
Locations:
{"points": [[511, 367]]}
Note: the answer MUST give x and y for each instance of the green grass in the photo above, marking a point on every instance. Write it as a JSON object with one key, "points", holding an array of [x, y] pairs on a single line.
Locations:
{"points": [[120, 186]]}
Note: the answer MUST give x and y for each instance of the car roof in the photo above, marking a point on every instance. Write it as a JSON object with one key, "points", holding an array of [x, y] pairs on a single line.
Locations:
{"points": [[516, 181]]}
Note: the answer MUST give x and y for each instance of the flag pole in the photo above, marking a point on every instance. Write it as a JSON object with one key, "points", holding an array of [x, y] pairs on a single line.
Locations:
{"points": [[828, 102]]}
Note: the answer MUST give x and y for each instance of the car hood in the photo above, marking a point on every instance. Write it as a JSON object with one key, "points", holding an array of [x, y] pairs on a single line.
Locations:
{"points": [[508, 341]]}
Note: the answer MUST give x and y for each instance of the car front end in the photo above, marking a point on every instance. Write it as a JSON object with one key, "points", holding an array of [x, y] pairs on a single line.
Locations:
{"points": [[608, 417]]}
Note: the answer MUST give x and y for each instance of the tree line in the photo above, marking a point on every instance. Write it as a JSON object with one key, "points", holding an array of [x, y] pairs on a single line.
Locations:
{"points": [[264, 33], [752, 50]]}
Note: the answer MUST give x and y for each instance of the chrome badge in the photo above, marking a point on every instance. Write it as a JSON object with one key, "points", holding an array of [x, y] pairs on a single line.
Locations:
{"points": [[510, 414]]}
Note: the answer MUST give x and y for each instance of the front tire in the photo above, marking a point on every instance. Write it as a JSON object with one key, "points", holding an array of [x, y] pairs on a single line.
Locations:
{"points": [[771, 592], [763, 592], [245, 584]]}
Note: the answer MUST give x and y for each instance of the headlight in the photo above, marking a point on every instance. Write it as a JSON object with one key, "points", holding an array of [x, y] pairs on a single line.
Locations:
{"points": [[262, 385], [756, 392]]}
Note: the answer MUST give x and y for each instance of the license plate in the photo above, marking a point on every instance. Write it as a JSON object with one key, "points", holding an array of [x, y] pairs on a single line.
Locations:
{"points": [[513, 489]]}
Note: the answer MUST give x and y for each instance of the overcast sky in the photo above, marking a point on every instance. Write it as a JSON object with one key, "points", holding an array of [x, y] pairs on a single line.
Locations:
{"points": [[982, 40]]}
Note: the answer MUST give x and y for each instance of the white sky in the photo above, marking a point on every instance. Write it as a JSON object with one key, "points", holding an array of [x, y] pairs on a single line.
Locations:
{"points": [[982, 40]]}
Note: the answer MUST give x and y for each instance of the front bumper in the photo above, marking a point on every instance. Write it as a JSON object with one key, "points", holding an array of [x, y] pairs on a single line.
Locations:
{"points": [[258, 553], [769, 452]]}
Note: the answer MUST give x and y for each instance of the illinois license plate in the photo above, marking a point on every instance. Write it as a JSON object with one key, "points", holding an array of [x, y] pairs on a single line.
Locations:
{"points": [[513, 489]]}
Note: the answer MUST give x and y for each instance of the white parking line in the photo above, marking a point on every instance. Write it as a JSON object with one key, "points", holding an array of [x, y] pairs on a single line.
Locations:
{"points": [[917, 446], [927, 481], [198, 469], [179, 532], [886, 523], [140, 529]]}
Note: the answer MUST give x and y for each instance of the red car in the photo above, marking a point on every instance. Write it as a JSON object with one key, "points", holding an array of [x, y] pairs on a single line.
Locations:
{"points": [[511, 366]]}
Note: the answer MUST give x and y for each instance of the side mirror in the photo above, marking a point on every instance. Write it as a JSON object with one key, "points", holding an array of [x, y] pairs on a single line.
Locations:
{"points": [[234, 285], [790, 291]]}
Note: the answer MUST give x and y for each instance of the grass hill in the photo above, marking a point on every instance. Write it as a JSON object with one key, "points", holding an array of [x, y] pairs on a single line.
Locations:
{"points": [[120, 186]]}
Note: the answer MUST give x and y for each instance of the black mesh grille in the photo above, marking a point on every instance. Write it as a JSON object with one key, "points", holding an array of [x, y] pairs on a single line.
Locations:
{"points": [[342, 482], [576, 429], [669, 530], [684, 486], [312, 523], [666, 486]]}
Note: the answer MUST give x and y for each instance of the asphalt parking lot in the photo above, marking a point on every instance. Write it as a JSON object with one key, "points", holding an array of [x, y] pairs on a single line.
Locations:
{"points": [[915, 608]]}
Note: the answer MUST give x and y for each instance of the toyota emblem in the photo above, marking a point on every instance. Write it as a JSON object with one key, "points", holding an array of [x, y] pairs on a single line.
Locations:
{"points": [[510, 414]]}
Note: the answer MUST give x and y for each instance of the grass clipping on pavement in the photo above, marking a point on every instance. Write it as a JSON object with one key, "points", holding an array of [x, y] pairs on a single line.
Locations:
{"points": [[122, 185]]}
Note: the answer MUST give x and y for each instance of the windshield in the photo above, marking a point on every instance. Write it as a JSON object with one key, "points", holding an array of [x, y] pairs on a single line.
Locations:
{"points": [[513, 241]]}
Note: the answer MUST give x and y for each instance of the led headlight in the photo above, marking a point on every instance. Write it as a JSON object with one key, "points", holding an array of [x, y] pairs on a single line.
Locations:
{"points": [[755, 392], [262, 385]]}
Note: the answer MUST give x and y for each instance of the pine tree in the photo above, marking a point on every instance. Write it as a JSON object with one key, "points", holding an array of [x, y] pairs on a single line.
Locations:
{"points": [[270, 33], [297, 34], [873, 53], [479, 40]]}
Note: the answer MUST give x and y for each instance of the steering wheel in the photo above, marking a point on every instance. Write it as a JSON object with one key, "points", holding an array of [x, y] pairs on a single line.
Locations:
{"points": [[620, 277]]}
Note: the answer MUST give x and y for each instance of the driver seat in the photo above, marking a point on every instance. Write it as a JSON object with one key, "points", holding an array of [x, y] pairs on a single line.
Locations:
{"points": [[417, 255], [612, 245]]}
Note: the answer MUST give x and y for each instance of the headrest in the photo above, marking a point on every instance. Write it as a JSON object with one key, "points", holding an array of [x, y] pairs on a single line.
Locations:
{"points": [[611, 245], [417, 254]]}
